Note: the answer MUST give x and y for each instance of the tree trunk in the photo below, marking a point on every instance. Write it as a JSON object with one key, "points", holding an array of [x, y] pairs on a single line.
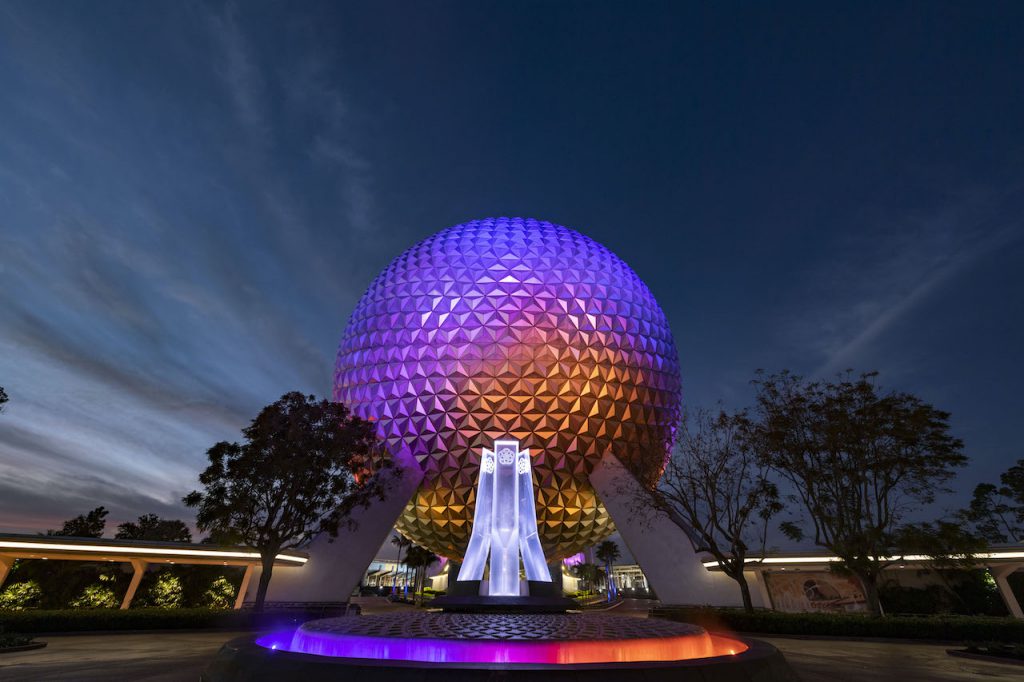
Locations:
{"points": [[874, 603], [418, 585], [265, 575], [748, 604]]}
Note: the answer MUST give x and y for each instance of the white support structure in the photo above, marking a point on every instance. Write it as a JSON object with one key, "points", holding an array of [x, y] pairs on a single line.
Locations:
{"points": [[6, 564], [336, 565], [761, 585], [139, 570], [1000, 573], [244, 587], [661, 547], [505, 522]]}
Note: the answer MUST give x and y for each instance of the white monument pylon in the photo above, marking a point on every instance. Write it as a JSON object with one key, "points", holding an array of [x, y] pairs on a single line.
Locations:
{"points": [[505, 522]]}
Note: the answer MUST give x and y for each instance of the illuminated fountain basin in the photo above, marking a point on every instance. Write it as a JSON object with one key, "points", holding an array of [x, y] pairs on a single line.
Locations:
{"points": [[537, 639], [468, 646]]}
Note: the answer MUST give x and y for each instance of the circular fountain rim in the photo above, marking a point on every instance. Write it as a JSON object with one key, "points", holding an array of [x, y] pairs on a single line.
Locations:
{"points": [[532, 641], [243, 659]]}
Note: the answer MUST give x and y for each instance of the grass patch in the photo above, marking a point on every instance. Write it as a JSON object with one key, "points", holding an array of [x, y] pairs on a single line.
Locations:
{"points": [[941, 627]]}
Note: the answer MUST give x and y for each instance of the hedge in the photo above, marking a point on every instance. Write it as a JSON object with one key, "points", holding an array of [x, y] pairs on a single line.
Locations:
{"points": [[85, 620], [943, 628]]}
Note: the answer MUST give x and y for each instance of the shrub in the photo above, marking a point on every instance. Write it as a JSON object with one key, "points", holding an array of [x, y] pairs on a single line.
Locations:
{"points": [[20, 596], [163, 592], [1013, 651], [13, 639], [944, 627], [220, 594], [97, 596], [899, 599]]}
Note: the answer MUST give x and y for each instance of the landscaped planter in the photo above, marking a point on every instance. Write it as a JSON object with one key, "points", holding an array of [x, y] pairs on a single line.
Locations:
{"points": [[23, 647]]}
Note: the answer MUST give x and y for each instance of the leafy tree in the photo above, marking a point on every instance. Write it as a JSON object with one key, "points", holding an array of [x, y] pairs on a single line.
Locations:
{"points": [[305, 465], [716, 487], [608, 552], [401, 543], [222, 536], [88, 525], [152, 527], [858, 460], [420, 559], [3, 398], [997, 512]]}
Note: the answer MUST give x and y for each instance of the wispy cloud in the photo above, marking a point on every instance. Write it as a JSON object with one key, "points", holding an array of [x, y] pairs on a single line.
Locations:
{"points": [[877, 277], [153, 249]]}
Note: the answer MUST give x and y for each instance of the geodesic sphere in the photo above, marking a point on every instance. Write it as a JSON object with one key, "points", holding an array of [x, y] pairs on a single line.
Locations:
{"points": [[512, 328]]}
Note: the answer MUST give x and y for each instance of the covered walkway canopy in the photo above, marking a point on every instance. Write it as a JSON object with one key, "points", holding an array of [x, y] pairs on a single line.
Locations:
{"points": [[999, 562], [139, 553]]}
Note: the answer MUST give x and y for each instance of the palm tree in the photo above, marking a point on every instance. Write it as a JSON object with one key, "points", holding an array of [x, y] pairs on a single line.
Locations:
{"points": [[587, 574], [419, 558], [608, 552], [401, 543]]}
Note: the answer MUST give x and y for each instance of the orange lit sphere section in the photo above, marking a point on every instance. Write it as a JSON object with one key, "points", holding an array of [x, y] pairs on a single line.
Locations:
{"points": [[512, 328]]}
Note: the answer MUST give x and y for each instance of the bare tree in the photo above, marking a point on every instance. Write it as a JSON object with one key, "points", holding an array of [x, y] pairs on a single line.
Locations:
{"points": [[716, 488]]}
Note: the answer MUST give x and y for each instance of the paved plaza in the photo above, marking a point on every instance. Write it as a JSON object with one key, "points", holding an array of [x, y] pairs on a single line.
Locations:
{"points": [[181, 656]]}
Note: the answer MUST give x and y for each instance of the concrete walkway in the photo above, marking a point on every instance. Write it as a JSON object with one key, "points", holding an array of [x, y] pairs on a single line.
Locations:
{"points": [[153, 657], [820, 660], [174, 656]]}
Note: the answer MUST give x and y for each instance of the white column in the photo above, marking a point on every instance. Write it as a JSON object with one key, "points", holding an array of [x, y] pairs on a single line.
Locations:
{"points": [[244, 587], [6, 563], [139, 567], [336, 565], [762, 588], [1000, 573]]}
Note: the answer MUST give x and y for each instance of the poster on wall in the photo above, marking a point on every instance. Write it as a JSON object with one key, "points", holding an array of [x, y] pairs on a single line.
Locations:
{"points": [[818, 591]]}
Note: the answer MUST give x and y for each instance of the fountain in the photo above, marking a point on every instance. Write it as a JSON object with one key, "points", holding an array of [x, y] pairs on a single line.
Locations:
{"points": [[501, 628]]}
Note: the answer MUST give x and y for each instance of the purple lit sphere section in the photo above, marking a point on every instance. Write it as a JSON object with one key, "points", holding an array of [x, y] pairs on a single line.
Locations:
{"points": [[512, 328]]}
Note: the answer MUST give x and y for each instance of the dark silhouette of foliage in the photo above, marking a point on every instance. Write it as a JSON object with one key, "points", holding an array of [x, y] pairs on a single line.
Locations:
{"points": [[588, 574], [607, 552], [402, 543], [305, 465], [3, 398], [419, 559], [858, 460], [88, 525], [997, 512], [951, 552], [152, 527], [716, 487]]}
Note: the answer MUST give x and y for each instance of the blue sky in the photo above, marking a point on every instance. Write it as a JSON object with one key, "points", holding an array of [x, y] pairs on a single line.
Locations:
{"points": [[194, 195]]}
